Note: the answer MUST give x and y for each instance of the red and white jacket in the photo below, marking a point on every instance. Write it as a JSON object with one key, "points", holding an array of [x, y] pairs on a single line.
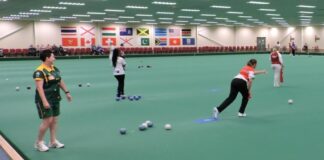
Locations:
{"points": [[276, 58]]}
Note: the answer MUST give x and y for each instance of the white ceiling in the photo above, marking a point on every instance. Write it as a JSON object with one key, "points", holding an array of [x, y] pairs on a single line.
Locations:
{"points": [[285, 12]]}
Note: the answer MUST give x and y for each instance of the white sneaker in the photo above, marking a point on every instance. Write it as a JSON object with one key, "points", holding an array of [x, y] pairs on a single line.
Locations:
{"points": [[56, 144], [40, 146], [215, 113], [241, 114]]}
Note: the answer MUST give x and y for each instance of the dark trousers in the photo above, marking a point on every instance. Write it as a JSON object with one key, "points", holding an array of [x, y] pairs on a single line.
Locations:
{"points": [[121, 82], [293, 52], [237, 85]]}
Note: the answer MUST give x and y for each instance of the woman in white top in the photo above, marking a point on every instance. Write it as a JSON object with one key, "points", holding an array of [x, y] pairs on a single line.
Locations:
{"points": [[119, 65], [276, 65]]}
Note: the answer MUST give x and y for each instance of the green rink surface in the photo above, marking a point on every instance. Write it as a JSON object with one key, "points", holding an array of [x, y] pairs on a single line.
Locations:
{"points": [[175, 90]]}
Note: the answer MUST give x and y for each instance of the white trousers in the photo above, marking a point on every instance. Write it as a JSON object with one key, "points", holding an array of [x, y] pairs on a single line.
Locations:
{"points": [[276, 69]]}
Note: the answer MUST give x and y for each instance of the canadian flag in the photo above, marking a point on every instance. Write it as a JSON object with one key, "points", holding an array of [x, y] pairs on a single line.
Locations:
{"points": [[87, 42]]}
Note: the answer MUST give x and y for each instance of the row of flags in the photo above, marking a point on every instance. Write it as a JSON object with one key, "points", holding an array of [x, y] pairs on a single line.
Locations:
{"points": [[124, 31], [129, 41], [85, 36]]}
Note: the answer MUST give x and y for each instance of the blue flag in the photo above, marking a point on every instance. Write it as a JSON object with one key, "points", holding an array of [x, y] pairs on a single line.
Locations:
{"points": [[188, 41], [160, 31], [126, 31]]}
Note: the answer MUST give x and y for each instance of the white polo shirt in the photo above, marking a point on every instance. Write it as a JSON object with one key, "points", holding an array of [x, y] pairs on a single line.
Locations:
{"points": [[119, 69]]}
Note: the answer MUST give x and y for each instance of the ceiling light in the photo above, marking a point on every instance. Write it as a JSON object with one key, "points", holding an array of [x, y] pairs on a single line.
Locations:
{"points": [[190, 10], [164, 12], [306, 6], [269, 14], [144, 15], [184, 16], [164, 3], [136, 7], [152, 23], [148, 20], [66, 17], [53, 7], [225, 7], [97, 20], [231, 12], [306, 12], [166, 18], [245, 16], [221, 18], [114, 10], [29, 13], [200, 20], [57, 19], [306, 16], [165, 22], [85, 21], [182, 21], [72, 4], [97, 13], [266, 9], [258, 2], [81, 15], [276, 18], [133, 21], [252, 20], [40, 10], [111, 19], [126, 17], [208, 15]]}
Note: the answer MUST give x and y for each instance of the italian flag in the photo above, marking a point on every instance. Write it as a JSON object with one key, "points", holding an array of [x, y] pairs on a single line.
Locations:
{"points": [[108, 31]]}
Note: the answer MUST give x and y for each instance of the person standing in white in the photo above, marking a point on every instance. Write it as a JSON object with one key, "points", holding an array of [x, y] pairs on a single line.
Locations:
{"points": [[119, 65], [276, 65]]}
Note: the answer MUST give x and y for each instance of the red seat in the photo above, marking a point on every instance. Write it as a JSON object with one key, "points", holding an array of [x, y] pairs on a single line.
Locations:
{"points": [[12, 52], [6, 52]]}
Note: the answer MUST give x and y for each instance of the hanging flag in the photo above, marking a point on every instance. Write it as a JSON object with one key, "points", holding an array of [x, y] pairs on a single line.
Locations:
{"points": [[105, 41], [125, 31], [186, 32], [126, 41], [108, 31], [174, 32], [160, 41], [317, 38], [69, 42], [160, 32], [87, 42], [68, 31], [142, 31], [145, 41], [174, 41], [87, 31], [188, 41]]}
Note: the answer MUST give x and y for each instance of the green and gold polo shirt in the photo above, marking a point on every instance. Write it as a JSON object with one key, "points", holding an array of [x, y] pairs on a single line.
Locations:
{"points": [[52, 78]]}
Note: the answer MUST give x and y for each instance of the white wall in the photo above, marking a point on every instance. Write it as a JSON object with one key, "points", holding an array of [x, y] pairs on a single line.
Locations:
{"points": [[20, 34], [215, 36], [16, 34]]}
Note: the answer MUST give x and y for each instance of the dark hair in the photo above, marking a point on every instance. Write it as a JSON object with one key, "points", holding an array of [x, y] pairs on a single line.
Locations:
{"points": [[252, 62], [115, 55], [44, 54]]}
